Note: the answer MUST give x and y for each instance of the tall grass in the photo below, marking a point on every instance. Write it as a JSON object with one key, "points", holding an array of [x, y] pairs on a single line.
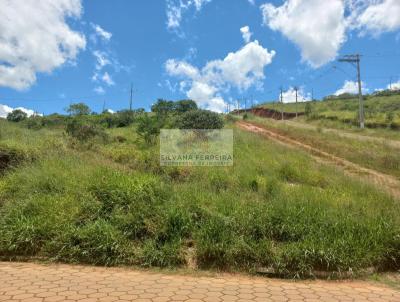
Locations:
{"points": [[275, 208]]}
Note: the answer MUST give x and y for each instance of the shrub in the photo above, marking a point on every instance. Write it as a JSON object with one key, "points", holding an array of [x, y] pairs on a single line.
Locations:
{"points": [[17, 115], [200, 119], [308, 110], [83, 132], [148, 128]]}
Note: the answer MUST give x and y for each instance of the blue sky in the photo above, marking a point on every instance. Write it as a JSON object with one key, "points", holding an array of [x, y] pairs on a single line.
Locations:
{"points": [[214, 51]]}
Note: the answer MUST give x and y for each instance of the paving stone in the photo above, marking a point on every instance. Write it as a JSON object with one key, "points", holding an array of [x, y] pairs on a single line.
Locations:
{"points": [[28, 282]]}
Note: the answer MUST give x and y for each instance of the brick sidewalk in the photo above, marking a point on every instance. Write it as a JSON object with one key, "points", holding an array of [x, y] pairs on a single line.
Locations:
{"points": [[45, 283]]}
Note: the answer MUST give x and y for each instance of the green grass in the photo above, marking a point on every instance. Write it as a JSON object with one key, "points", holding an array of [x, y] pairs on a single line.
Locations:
{"points": [[344, 112], [112, 204], [376, 155]]}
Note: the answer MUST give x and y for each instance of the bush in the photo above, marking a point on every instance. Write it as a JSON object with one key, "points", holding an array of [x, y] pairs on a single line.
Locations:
{"points": [[148, 128], [17, 115], [308, 110], [200, 119], [84, 131]]}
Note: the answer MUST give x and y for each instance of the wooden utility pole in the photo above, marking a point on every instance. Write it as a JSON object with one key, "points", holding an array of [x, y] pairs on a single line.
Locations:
{"points": [[355, 60], [296, 89], [130, 100], [282, 102]]}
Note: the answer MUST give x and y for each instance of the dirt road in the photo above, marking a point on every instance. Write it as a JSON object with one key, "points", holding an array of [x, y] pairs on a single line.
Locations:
{"points": [[389, 183]]}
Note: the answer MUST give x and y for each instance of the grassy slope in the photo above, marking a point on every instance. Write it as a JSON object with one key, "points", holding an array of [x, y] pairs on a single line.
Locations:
{"points": [[344, 112], [113, 204], [375, 155]]}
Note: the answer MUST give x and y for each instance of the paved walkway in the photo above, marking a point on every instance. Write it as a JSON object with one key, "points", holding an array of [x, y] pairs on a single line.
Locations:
{"points": [[45, 283]]}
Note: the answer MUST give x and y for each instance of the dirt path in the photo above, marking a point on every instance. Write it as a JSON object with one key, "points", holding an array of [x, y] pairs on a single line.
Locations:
{"points": [[28, 282], [389, 183], [388, 142]]}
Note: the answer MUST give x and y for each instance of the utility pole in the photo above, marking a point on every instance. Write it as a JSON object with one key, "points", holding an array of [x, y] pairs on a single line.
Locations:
{"points": [[296, 89], [312, 94], [355, 61], [282, 102], [104, 106], [130, 101], [390, 85]]}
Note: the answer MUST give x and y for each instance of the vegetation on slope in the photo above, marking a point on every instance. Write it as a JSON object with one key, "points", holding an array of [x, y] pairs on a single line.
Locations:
{"points": [[381, 111], [377, 155], [108, 202]]}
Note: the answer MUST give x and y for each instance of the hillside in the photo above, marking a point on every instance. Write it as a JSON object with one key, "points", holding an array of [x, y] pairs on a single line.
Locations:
{"points": [[106, 200], [380, 111]]}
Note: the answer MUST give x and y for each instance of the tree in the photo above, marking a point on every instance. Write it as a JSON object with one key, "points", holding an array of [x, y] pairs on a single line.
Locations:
{"points": [[17, 115], [163, 107], [78, 109], [200, 119], [184, 106]]}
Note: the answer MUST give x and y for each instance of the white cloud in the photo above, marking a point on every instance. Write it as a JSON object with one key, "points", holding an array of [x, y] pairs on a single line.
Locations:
{"points": [[176, 9], [375, 16], [5, 110], [100, 32], [289, 96], [317, 27], [394, 86], [181, 68], [106, 78], [351, 87], [102, 59], [241, 70], [252, 2], [34, 37], [246, 34], [99, 90]]}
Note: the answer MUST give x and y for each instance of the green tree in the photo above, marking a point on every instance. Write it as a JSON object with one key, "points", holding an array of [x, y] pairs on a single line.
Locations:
{"points": [[78, 109], [185, 105], [163, 107], [200, 119], [17, 115]]}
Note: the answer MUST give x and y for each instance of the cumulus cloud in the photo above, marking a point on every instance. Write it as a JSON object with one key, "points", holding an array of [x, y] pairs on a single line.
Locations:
{"points": [[319, 28], [35, 37], [289, 96], [176, 9], [246, 34], [5, 110], [100, 32], [241, 69], [319, 39], [351, 87], [394, 86], [375, 17]]}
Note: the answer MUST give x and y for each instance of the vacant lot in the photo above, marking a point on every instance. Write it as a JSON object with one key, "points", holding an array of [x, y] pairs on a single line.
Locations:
{"points": [[108, 202]]}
